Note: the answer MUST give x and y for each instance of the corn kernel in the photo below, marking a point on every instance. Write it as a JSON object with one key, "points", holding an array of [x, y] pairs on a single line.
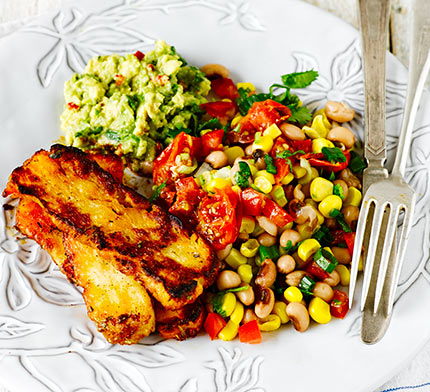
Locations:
{"points": [[247, 225], [319, 310], [344, 274], [233, 153], [218, 183], [304, 230], [299, 104], [318, 144], [263, 184], [328, 250], [223, 173], [328, 204], [270, 323], [264, 173], [360, 263], [308, 177], [245, 272], [353, 198], [299, 171], [237, 314], [245, 86], [293, 294], [236, 120], [236, 189], [249, 248], [228, 304], [320, 188], [253, 169], [280, 309], [319, 112], [229, 332], [265, 143], [287, 179], [312, 133], [307, 248], [272, 131], [235, 258], [318, 125]]}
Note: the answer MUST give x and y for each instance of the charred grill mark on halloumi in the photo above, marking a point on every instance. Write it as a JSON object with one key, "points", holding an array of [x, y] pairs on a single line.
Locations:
{"points": [[151, 245]]}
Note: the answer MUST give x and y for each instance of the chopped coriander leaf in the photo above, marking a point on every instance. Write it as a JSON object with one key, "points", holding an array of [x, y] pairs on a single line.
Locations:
{"points": [[334, 213], [299, 79], [300, 114], [333, 154], [332, 176], [287, 154], [288, 246], [268, 252], [241, 177], [213, 123], [157, 192], [356, 164], [270, 165], [323, 236], [338, 191], [217, 304]]}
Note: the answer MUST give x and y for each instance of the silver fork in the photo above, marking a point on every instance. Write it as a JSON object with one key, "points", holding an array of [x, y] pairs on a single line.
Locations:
{"points": [[392, 196]]}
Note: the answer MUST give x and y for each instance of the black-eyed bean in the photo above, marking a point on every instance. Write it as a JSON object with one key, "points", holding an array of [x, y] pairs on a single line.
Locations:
{"points": [[247, 297], [342, 135], [289, 236], [333, 279], [248, 316], [266, 239], [323, 290], [350, 214], [215, 70], [299, 316], [223, 253], [292, 132], [267, 225], [228, 279], [339, 111], [348, 176], [294, 278], [265, 302], [267, 274], [286, 264], [217, 159]]}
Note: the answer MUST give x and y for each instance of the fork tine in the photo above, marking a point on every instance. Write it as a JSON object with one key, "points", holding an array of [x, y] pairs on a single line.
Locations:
{"points": [[386, 250], [373, 242], [359, 237], [407, 225]]}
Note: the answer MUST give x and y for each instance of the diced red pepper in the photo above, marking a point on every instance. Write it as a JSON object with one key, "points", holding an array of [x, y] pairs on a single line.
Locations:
{"points": [[219, 109], [224, 88], [250, 332], [282, 169], [212, 141], [319, 160], [119, 79], [349, 239], [252, 202], [315, 270], [213, 325], [276, 214], [339, 306], [72, 106], [301, 145], [139, 55]]}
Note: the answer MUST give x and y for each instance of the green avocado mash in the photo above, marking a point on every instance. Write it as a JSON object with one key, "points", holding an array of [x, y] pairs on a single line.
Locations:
{"points": [[125, 105]]}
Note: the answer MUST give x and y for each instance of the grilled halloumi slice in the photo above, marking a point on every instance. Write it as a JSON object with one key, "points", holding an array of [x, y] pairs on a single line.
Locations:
{"points": [[146, 243], [118, 304]]}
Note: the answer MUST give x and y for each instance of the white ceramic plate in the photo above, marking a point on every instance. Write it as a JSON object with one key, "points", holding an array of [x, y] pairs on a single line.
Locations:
{"points": [[46, 341]]}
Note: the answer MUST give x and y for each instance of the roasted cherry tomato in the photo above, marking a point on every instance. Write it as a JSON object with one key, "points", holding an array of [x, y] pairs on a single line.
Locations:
{"points": [[217, 218], [166, 165], [300, 145], [220, 109], [276, 214], [282, 169], [318, 160], [252, 202], [224, 88], [212, 141], [339, 306], [188, 197]]}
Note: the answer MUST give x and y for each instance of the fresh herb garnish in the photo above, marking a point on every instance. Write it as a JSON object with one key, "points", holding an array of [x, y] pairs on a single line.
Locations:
{"points": [[241, 177], [338, 191], [323, 236], [270, 164], [288, 246], [356, 164], [335, 213], [332, 176], [213, 123], [299, 113], [157, 191], [287, 154], [268, 252], [333, 154]]}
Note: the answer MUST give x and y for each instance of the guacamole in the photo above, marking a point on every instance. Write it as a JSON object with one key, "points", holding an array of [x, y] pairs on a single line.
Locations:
{"points": [[125, 104]]}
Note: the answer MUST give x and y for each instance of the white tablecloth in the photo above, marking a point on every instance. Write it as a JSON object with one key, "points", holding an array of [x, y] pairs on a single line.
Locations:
{"points": [[414, 377]]}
